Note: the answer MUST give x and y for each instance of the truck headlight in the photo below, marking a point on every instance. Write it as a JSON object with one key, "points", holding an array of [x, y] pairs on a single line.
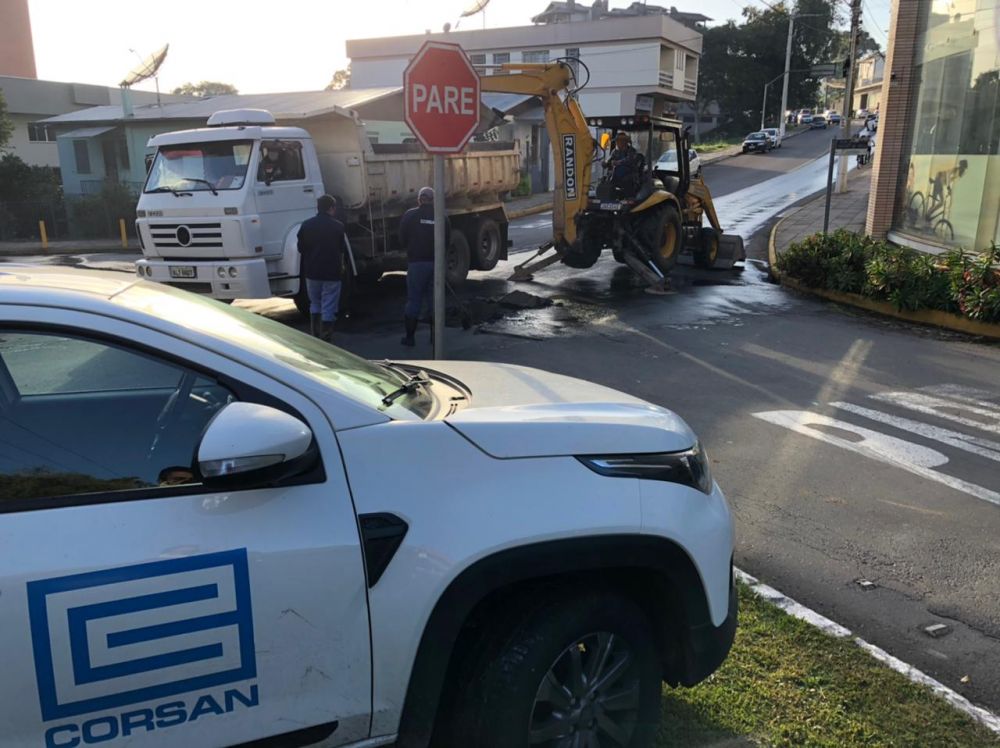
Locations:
{"points": [[688, 468]]}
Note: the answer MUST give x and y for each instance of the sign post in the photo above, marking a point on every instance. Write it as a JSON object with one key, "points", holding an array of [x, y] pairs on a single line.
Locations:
{"points": [[441, 102]]}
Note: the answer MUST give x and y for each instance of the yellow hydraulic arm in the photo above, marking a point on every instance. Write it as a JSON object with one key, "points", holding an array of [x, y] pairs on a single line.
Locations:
{"points": [[572, 142]]}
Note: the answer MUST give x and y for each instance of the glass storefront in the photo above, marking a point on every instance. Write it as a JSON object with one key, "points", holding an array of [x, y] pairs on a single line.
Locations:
{"points": [[952, 192]]}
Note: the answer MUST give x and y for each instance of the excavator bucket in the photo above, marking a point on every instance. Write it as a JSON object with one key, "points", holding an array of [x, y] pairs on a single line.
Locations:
{"points": [[731, 251]]}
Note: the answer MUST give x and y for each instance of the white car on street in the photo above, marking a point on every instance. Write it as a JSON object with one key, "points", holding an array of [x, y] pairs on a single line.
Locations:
{"points": [[668, 161], [218, 530], [773, 135]]}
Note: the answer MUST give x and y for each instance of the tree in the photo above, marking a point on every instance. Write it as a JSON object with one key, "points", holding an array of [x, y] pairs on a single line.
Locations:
{"points": [[206, 88], [6, 126], [341, 79]]}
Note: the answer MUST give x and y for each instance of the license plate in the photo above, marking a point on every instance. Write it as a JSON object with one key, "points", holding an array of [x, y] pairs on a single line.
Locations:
{"points": [[183, 271], [611, 206]]}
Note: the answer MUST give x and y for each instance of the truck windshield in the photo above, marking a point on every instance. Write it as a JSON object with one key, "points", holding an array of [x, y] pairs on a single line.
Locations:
{"points": [[351, 375], [200, 167]]}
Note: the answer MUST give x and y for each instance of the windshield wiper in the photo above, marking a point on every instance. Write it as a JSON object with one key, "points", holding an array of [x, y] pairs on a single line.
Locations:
{"points": [[175, 193], [202, 181], [406, 388]]}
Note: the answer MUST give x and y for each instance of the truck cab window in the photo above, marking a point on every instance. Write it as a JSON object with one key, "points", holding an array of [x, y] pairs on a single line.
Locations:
{"points": [[280, 161]]}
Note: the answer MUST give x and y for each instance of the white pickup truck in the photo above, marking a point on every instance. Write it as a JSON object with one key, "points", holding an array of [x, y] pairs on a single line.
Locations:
{"points": [[218, 530], [221, 206]]}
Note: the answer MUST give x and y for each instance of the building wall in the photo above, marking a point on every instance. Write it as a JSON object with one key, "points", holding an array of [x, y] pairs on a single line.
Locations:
{"points": [[937, 172], [34, 153], [17, 53]]}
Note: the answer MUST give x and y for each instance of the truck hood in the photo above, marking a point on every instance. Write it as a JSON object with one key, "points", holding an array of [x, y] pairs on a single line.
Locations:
{"points": [[518, 412]]}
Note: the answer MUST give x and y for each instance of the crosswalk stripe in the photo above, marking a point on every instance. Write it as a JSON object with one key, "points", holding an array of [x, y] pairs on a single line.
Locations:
{"points": [[988, 415], [974, 444]]}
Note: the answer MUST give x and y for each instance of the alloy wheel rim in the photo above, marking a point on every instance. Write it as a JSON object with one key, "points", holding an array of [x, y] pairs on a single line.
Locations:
{"points": [[589, 697]]}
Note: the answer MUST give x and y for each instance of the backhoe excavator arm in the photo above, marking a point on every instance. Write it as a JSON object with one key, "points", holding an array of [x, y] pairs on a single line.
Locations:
{"points": [[572, 142]]}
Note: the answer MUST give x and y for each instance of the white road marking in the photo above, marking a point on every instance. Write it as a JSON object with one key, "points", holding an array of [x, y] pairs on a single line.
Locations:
{"points": [[793, 608], [914, 458], [977, 445], [987, 416]]}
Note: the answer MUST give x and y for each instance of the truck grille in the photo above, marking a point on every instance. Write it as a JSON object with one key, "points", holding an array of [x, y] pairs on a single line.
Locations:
{"points": [[186, 234]]}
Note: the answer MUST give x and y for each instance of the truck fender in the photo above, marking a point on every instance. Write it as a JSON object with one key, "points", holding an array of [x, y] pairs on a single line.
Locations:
{"points": [[290, 257], [536, 562]]}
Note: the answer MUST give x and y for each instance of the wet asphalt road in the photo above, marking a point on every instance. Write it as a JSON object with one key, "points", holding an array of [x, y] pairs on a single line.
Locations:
{"points": [[850, 447]]}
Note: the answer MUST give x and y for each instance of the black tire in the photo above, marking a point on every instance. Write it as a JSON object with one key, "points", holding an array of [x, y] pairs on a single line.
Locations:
{"points": [[669, 238], [707, 251], [301, 299], [458, 259], [486, 240], [744, 150], [508, 697]]}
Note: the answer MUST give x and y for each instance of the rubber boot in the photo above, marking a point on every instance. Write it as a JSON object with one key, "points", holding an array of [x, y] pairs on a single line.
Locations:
{"points": [[314, 325], [327, 332], [411, 330]]}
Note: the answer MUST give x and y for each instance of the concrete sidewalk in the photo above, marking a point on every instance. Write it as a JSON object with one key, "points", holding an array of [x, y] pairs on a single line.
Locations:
{"points": [[847, 211]]}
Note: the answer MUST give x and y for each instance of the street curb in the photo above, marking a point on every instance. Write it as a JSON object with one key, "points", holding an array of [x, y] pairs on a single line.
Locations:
{"points": [[931, 317], [983, 716], [513, 215]]}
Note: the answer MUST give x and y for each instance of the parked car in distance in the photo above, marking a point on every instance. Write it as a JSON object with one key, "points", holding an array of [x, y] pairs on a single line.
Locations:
{"points": [[862, 114], [805, 116], [774, 135], [756, 142], [668, 161], [818, 122], [832, 117]]}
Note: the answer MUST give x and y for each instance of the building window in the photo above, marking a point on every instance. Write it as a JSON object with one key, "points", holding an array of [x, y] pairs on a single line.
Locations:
{"points": [[535, 55], [82, 155], [501, 58], [478, 59], [949, 195], [39, 133]]}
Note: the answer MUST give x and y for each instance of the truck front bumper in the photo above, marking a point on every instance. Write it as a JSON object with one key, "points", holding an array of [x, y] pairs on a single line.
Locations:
{"points": [[220, 279]]}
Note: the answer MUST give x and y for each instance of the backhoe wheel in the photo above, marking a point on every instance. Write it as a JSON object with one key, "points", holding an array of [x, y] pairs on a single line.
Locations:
{"points": [[707, 251], [458, 258], [577, 670], [486, 241], [669, 238]]}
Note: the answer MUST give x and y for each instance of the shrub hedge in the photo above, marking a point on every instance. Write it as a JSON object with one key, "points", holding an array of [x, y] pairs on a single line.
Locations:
{"points": [[961, 282]]}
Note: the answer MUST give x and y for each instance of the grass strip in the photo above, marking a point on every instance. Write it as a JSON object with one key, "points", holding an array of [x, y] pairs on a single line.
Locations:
{"points": [[787, 683]]}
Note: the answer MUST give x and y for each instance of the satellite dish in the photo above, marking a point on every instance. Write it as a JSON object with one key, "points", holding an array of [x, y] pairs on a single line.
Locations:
{"points": [[476, 6], [147, 68]]}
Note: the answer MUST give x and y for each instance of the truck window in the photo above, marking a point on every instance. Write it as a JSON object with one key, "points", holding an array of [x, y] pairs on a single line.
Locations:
{"points": [[280, 161], [200, 167]]}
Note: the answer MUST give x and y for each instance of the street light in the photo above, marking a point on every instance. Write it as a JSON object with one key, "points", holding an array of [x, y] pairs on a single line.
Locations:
{"points": [[763, 107], [788, 62]]}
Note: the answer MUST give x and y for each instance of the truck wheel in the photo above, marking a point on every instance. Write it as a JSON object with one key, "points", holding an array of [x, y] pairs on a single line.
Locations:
{"points": [[301, 299], [458, 256], [486, 240], [582, 669], [668, 240], [707, 251]]}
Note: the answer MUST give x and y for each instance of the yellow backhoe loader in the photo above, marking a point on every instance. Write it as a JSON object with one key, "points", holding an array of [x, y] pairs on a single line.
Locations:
{"points": [[647, 216]]}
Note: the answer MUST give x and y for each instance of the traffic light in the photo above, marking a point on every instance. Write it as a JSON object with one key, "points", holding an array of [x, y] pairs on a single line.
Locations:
{"points": [[845, 67]]}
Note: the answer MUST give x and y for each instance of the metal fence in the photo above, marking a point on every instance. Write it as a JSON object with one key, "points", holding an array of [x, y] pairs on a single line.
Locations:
{"points": [[80, 217]]}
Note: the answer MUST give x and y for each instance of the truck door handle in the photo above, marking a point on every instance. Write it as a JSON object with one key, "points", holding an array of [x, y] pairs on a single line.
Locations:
{"points": [[307, 189]]}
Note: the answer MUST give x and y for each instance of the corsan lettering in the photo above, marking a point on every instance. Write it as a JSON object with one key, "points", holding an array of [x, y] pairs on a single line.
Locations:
{"points": [[109, 726]]}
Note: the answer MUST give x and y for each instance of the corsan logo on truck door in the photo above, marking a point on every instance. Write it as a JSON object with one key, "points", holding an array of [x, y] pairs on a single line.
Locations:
{"points": [[569, 166], [107, 643]]}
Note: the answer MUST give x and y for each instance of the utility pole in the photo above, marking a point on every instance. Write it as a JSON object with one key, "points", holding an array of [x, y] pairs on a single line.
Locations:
{"points": [[849, 91], [788, 67]]}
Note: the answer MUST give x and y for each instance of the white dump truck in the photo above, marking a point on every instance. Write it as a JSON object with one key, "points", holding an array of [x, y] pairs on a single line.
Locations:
{"points": [[222, 205]]}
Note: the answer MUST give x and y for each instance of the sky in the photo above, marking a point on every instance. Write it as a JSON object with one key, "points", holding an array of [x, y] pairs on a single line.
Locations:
{"points": [[294, 45]]}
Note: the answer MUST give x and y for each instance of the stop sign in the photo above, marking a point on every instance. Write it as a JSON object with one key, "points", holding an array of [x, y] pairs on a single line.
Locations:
{"points": [[441, 96]]}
